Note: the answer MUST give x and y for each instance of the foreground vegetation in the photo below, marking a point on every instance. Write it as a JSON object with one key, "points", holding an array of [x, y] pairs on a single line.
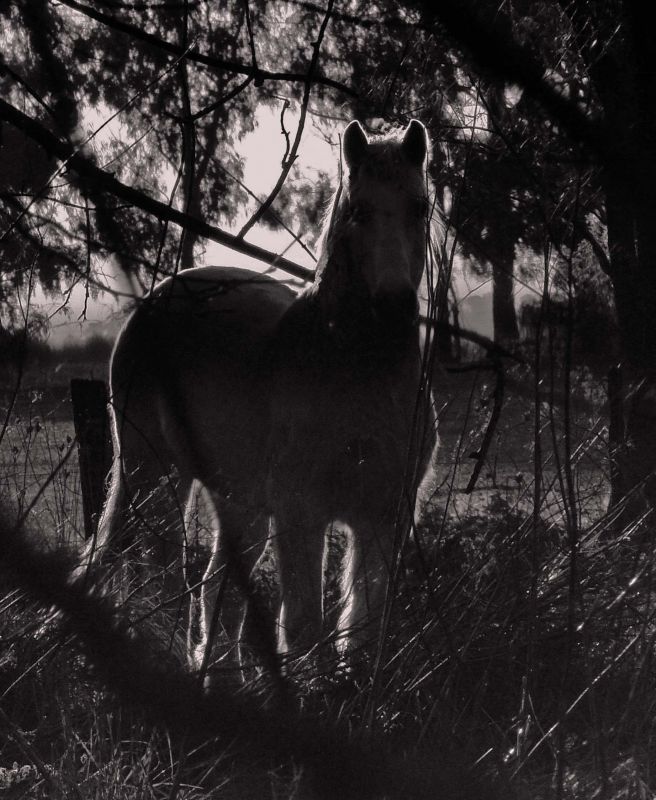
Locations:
{"points": [[519, 651]]}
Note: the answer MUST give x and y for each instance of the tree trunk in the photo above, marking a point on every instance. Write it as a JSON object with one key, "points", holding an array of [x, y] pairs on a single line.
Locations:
{"points": [[624, 83], [504, 315], [632, 245], [502, 251]]}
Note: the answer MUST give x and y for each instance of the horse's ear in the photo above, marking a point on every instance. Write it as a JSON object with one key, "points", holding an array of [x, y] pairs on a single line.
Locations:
{"points": [[415, 142], [355, 144]]}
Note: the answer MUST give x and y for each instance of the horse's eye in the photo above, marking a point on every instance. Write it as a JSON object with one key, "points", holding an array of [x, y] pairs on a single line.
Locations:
{"points": [[361, 213]]}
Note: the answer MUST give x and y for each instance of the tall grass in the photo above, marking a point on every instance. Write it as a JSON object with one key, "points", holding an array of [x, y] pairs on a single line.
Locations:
{"points": [[521, 645]]}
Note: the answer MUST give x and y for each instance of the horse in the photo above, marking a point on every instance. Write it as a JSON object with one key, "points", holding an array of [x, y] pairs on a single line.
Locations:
{"points": [[292, 412]]}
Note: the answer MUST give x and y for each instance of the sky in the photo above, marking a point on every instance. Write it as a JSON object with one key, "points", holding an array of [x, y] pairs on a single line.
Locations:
{"points": [[262, 150]]}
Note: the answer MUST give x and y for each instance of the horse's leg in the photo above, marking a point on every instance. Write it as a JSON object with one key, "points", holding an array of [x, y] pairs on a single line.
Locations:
{"points": [[200, 526], [365, 576], [299, 541], [240, 536]]}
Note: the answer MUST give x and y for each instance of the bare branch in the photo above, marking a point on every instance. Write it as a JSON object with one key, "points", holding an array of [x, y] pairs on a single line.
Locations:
{"points": [[296, 236], [290, 158], [226, 98], [493, 349]]}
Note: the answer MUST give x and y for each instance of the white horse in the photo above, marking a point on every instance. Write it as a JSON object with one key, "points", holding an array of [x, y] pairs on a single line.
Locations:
{"points": [[293, 412]]}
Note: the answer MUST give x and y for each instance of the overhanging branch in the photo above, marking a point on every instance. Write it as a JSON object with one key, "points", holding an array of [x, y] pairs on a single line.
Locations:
{"points": [[103, 181], [260, 75]]}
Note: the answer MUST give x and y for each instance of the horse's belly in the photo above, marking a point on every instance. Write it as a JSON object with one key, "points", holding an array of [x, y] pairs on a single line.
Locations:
{"points": [[230, 428], [194, 357]]}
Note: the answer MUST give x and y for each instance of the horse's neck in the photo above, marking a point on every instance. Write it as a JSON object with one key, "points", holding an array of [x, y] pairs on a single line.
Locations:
{"points": [[340, 292], [341, 326]]}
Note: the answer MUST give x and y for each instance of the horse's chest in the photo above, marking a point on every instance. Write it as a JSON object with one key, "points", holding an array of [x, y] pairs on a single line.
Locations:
{"points": [[335, 404], [340, 432]]}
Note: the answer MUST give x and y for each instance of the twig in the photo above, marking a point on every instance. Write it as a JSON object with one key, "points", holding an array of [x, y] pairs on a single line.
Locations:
{"points": [[251, 40], [222, 100], [5, 68], [493, 349], [491, 427], [295, 236], [290, 158], [284, 130], [87, 216]]}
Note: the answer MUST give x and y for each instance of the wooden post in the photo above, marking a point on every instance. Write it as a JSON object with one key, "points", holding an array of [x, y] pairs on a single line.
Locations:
{"points": [[89, 398]]}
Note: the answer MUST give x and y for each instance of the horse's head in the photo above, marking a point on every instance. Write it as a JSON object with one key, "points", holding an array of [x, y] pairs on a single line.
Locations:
{"points": [[385, 218]]}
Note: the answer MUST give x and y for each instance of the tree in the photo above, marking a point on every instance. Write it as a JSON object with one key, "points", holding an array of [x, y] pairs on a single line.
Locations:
{"points": [[608, 48], [181, 111]]}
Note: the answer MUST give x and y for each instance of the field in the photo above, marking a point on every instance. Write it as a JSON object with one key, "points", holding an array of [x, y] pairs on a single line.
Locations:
{"points": [[517, 661]]}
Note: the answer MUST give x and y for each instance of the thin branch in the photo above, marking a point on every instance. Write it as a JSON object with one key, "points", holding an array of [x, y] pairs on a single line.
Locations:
{"points": [[194, 55], [251, 39], [6, 69], [481, 456], [284, 130], [295, 236], [87, 228], [291, 157], [222, 100], [493, 349], [72, 262]]}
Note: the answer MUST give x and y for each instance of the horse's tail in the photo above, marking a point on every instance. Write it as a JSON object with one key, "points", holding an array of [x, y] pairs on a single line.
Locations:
{"points": [[104, 538]]}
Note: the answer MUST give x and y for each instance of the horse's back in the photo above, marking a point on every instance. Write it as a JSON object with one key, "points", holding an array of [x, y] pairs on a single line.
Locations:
{"points": [[190, 368]]}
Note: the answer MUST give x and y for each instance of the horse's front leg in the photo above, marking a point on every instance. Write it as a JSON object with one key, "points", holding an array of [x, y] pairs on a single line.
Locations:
{"points": [[367, 568], [299, 541]]}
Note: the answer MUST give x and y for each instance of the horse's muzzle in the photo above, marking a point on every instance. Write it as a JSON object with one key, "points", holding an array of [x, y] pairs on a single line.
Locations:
{"points": [[397, 310]]}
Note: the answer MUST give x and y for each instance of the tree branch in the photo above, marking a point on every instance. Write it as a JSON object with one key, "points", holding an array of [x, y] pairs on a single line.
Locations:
{"points": [[493, 349], [260, 75], [497, 52], [98, 179]]}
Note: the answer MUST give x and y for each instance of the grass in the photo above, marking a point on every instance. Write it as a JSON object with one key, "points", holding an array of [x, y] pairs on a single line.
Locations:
{"points": [[521, 645]]}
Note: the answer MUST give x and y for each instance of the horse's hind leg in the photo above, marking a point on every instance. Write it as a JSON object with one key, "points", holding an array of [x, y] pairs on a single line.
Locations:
{"points": [[240, 536]]}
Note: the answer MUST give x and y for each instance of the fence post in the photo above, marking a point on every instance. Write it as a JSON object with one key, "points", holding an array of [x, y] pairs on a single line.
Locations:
{"points": [[89, 398]]}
